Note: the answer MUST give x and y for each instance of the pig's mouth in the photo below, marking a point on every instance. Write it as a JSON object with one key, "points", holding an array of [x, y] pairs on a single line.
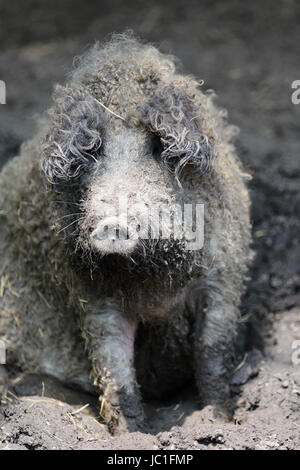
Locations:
{"points": [[131, 251]]}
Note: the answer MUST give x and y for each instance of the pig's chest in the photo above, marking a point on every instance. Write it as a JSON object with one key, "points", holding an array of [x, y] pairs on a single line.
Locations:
{"points": [[155, 305]]}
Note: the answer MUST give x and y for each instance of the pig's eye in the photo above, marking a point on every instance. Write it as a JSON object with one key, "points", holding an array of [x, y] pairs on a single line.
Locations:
{"points": [[157, 148], [160, 154]]}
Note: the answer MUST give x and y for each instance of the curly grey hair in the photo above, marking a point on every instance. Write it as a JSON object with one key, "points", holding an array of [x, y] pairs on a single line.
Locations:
{"points": [[173, 116], [75, 136]]}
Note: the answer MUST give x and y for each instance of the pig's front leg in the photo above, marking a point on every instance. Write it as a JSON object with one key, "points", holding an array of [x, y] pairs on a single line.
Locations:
{"points": [[4, 383], [110, 341], [214, 351]]}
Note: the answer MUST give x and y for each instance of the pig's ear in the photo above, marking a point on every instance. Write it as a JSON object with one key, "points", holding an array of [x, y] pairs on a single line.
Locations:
{"points": [[177, 119], [75, 136]]}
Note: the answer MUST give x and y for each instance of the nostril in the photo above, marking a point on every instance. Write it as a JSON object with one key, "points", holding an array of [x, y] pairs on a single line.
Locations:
{"points": [[101, 234], [121, 233]]}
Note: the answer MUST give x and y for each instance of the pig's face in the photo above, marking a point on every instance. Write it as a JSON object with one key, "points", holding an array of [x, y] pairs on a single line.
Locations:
{"points": [[116, 174], [127, 181]]}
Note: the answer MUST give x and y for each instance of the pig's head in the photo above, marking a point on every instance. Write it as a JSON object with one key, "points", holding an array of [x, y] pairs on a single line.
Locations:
{"points": [[109, 173]]}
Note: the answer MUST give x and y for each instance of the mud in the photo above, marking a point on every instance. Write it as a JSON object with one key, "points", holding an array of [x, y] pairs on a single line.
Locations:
{"points": [[248, 53]]}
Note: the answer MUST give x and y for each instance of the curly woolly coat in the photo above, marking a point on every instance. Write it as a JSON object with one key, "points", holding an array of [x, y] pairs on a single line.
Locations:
{"points": [[65, 310]]}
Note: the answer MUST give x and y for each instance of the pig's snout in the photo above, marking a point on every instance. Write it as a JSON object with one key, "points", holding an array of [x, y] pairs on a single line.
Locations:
{"points": [[110, 230], [114, 235]]}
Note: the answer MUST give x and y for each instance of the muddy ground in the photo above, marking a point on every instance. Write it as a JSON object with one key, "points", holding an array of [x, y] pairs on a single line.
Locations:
{"points": [[248, 52]]}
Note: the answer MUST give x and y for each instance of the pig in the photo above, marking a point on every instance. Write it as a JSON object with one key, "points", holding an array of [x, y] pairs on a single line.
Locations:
{"points": [[87, 294]]}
